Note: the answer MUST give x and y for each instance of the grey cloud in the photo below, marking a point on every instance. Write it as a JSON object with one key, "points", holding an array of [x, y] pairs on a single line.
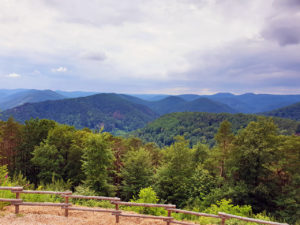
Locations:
{"points": [[286, 31], [287, 4], [244, 66], [94, 56], [283, 26]]}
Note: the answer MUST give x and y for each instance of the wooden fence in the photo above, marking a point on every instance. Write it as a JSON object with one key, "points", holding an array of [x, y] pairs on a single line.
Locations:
{"points": [[17, 202]]}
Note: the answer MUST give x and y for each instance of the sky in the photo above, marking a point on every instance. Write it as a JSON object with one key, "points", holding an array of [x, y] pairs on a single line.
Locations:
{"points": [[151, 46]]}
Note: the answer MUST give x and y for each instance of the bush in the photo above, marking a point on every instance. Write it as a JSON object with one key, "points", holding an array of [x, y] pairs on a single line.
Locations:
{"points": [[84, 190], [147, 195]]}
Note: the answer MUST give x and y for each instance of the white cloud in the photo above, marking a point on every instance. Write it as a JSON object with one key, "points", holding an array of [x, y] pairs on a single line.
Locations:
{"points": [[13, 75], [60, 69], [151, 41]]}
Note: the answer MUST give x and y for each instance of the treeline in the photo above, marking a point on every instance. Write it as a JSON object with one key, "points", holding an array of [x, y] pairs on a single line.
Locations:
{"points": [[257, 166]]}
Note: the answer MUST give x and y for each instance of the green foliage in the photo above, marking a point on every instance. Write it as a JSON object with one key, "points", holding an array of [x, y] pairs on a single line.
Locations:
{"points": [[147, 195], [86, 191], [97, 159], [173, 177], [201, 184], [11, 139], [137, 172], [199, 127], [254, 166], [224, 140], [226, 206], [251, 158], [5, 181], [41, 197], [49, 160], [286, 175], [19, 179], [33, 133], [60, 155]]}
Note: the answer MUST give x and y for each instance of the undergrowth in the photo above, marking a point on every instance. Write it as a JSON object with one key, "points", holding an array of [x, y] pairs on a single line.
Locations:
{"points": [[146, 195]]}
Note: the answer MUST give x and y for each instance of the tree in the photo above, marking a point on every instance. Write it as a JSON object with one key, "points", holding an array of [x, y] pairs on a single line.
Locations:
{"points": [[66, 144], [173, 177], [251, 159], [286, 180], [224, 139], [97, 159], [33, 133], [137, 172], [49, 160], [11, 139]]}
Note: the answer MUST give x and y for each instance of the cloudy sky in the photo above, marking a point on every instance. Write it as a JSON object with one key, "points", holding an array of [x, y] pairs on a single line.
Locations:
{"points": [[151, 46]]}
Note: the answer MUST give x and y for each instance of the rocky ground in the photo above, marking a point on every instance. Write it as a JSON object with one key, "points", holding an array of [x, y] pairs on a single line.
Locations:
{"points": [[55, 216]]}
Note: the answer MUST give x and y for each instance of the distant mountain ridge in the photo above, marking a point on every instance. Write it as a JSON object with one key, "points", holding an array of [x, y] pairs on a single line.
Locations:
{"points": [[249, 102], [244, 103], [177, 104], [13, 98], [111, 111], [290, 112]]}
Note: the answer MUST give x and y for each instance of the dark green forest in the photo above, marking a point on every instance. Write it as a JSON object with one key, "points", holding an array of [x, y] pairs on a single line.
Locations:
{"points": [[290, 112], [202, 127], [110, 111], [255, 167]]}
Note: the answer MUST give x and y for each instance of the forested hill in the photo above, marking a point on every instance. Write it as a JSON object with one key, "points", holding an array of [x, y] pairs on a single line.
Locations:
{"points": [[108, 110], [244, 103], [290, 112], [255, 103], [11, 99], [197, 126], [177, 104]]}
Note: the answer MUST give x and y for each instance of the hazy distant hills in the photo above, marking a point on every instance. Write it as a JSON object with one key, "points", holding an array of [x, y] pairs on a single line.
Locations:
{"points": [[245, 103], [220, 102], [177, 104], [108, 110], [120, 112], [199, 126], [290, 112], [171, 104], [10, 98], [13, 98], [250, 103], [75, 94]]}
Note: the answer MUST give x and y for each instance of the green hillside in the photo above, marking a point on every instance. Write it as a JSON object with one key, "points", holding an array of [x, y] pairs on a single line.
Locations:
{"points": [[198, 126], [178, 104], [17, 98], [290, 112], [108, 110]]}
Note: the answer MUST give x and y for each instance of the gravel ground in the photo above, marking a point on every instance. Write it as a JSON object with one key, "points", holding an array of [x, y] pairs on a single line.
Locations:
{"points": [[55, 216]]}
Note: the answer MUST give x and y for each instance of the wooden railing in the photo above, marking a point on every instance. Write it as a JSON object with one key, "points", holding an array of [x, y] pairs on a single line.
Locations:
{"points": [[17, 202]]}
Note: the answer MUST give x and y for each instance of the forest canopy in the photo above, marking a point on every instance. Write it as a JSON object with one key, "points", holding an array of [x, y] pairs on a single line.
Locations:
{"points": [[256, 166]]}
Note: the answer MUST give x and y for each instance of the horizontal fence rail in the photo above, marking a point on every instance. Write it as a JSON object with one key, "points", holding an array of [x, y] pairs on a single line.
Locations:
{"points": [[17, 202], [229, 216], [194, 213], [145, 204]]}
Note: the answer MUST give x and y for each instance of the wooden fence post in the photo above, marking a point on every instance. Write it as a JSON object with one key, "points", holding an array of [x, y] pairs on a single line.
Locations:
{"points": [[169, 215], [17, 206], [223, 221], [117, 214], [66, 206]]}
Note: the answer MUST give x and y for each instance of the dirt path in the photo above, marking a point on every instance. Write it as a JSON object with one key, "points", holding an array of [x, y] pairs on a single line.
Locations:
{"points": [[55, 216]]}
